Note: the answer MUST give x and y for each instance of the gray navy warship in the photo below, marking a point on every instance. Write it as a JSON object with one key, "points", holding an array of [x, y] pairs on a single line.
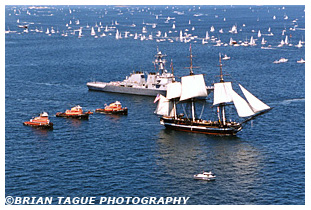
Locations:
{"points": [[136, 83]]}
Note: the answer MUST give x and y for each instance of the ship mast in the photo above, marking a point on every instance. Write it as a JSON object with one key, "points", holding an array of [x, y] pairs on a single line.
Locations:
{"points": [[172, 66], [191, 73], [222, 106], [160, 61]]}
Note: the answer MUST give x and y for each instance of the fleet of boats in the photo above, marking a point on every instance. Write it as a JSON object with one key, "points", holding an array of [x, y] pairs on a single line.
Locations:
{"points": [[170, 93]]}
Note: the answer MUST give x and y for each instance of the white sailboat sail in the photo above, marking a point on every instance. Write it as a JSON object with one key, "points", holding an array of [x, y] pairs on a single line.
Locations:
{"points": [[222, 92], [256, 104], [192, 86], [173, 90], [164, 107], [242, 107], [117, 34], [286, 40], [180, 36], [252, 41], [93, 32], [206, 35]]}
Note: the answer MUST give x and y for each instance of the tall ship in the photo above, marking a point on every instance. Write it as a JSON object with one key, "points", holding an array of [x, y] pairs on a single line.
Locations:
{"points": [[136, 83], [187, 92]]}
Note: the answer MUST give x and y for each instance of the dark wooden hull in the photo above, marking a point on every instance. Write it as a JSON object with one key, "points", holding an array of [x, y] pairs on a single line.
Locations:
{"points": [[200, 127], [84, 116], [34, 125], [120, 112]]}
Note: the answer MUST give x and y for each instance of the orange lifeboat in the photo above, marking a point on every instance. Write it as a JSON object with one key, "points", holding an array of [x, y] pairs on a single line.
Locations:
{"points": [[74, 112], [113, 108], [40, 122]]}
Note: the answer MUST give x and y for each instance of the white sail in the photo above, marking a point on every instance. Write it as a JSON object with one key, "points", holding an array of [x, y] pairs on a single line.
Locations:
{"points": [[93, 32], [222, 92], [192, 86], [259, 34], [206, 35], [173, 90], [117, 34], [252, 41], [164, 107], [242, 107], [256, 104], [80, 32], [286, 40], [180, 36]]}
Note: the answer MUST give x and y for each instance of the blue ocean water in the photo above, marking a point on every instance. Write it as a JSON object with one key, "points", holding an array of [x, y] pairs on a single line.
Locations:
{"points": [[134, 155]]}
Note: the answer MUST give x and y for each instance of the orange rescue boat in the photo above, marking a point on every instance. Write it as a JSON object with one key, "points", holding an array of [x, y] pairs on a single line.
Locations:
{"points": [[75, 112], [113, 108], [40, 122]]}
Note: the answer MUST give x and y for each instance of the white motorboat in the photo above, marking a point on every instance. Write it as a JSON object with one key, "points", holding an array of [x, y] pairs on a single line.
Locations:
{"points": [[226, 57], [209, 176], [281, 60], [301, 61]]}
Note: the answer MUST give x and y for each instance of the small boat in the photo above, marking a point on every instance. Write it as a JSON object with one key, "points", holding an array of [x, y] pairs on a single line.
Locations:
{"points": [[226, 57], [209, 176], [113, 108], [281, 60], [299, 45], [301, 61], [75, 112], [40, 122]]}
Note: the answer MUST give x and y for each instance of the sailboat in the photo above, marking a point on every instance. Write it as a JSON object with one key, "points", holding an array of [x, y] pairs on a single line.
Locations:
{"points": [[252, 42], [299, 45], [80, 33], [181, 36], [286, 40], [117, 34], [193, 86], [93, 32], [206, 35], [212, 29]]}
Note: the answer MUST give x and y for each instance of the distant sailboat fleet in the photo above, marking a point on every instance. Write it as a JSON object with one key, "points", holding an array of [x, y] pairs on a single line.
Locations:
{"points": [[174, 34]]}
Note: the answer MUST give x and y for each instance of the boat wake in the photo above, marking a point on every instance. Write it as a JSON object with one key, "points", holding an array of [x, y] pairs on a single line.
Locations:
{"points": [[289, 101]]}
